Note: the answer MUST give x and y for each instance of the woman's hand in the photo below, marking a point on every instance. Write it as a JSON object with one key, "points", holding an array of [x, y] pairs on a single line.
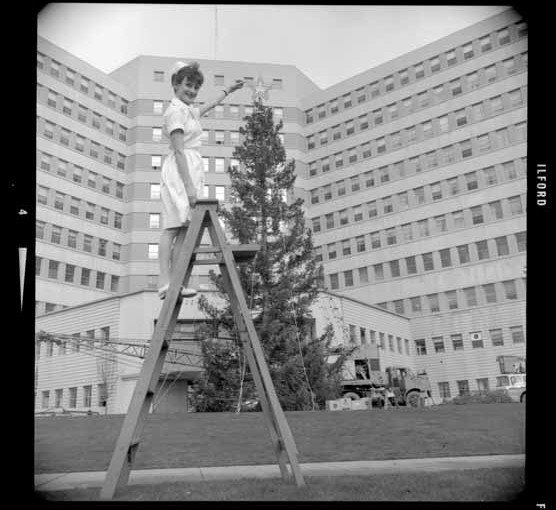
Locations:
{"points": [[235, 87]]}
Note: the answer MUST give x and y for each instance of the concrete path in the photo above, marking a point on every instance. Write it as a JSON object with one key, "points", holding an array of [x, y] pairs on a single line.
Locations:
{"points": [[67, 481]]}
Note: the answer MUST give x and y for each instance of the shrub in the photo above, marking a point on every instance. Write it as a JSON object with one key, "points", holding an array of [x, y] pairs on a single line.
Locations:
{"points": [[485, 397]]}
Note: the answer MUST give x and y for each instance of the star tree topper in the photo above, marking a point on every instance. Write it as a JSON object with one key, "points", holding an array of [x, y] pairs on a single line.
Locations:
{"points": [[260, 89]]}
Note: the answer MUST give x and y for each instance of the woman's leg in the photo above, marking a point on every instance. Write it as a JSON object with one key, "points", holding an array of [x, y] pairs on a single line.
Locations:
{"points": [[165, 246]]}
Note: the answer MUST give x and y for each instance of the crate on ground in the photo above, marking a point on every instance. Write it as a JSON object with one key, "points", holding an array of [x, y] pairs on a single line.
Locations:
{"points": [[340, 404], [361, 404]]}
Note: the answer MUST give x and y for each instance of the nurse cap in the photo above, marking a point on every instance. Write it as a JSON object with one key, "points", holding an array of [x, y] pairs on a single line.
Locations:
{"points": [[177, 66]]}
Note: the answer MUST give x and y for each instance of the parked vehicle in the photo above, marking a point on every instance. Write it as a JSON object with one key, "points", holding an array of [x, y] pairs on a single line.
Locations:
{"points": [[407, 386], [514, 378]]}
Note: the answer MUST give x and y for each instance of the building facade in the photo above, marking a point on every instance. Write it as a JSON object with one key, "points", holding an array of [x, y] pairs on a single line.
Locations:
{"points": [[413, 173]]}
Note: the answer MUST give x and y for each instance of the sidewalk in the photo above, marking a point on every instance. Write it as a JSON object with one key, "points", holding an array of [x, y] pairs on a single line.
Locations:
{"points": [[68, 481]]}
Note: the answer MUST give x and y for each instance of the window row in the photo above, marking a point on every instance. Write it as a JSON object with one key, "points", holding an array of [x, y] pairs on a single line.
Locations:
{"points": [[360, 336], [416, 264], [80, 112], [84, 242], [430, 128], [209, 191], [221, 111], [209, 137], [81, 144], [462, 386], [81, 83], [424, 99], [434, 225], [428, 193], [80, 175], [433, 128], [68, 397], [423, 69], [78, 207], [71, 273], [479, 295], [473, 340], [219, 80]]}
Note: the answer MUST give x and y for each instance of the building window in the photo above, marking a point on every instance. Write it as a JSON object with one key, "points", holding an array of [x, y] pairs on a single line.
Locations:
{"points": [[496, 337], [444, 390], [490, 293], [463, 387], [516, 333], [154, 220], [100, 280], [329, 220], [39, 230], [521, 241], [334, 282], [153, 251], [434, 304], [510, 289], [378, 271], [347, 100], [415, 304], [476, 340], [357, 213], [387, 205], [118, 220], [423, 226], [485, 43], [346, 247], [503, 36], [87, 394], [53, 269], [375, 240], [411, 265], [403, 200], [477, 215], [457, 342], [116, 251], [360, 243], [395, 269], [56, 234], [516, 206], [219, 165], [64, 136], [70, 273], [87, 243], [419, 194], [348, 278], [85, 276], [155, 191], [372, 209], [420, 347], [156, 134], [339, 161], [502, 246], [38, 262], [496, 210], [452, 298], [331, 251], [59, 200], [445, 257], [470, 296], [438, 343], [343, 217], [482, 250], [391, 236], [428, 263]]}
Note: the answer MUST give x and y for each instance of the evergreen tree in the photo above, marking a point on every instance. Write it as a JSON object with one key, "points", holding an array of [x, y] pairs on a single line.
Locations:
{"points": [[282, 281]]}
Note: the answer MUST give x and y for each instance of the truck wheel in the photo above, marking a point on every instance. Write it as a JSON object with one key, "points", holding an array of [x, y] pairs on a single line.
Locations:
{"points": [[412, 399], [352, 395], [522, 399]]}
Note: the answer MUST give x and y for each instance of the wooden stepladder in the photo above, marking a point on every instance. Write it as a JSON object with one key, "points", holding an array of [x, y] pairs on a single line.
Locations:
{"points": [[204, 216]]}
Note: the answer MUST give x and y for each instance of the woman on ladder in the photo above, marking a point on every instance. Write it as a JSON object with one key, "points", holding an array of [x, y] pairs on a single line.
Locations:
{"points": [[182, 176]]}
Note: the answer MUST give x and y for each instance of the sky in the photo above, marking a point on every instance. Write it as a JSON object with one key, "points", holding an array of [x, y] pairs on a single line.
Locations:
{"points": [[315, 39]]}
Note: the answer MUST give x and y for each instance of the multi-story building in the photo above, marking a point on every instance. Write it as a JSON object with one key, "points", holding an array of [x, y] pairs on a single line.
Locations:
{"points": [[413, 174]]}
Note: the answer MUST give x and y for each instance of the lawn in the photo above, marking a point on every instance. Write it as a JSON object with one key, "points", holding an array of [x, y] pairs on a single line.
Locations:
{"points": [[501, 484], [70, 444]]}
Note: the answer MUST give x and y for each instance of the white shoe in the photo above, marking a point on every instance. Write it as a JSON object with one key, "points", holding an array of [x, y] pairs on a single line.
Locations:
{"points": [[185, 292]]}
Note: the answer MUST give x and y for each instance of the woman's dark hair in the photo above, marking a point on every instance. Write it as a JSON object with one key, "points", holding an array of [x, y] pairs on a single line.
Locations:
{"points": [[191, 72]]}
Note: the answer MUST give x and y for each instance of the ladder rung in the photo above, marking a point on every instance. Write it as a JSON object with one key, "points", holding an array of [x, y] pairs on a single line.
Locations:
{"points": [[209, 262], [241, 252]]}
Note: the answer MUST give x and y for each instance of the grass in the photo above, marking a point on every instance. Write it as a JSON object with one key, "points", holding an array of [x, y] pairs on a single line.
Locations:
{"points": [[500, 484], [71, 444]]}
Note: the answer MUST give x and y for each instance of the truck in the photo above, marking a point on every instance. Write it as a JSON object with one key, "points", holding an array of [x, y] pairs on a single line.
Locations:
{"points": [[370, 381], [514, 377]]}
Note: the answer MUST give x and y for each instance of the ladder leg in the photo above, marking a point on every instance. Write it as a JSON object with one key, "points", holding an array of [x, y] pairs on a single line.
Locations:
{"points": [[129, 438], [276, 439], [243, 313]]}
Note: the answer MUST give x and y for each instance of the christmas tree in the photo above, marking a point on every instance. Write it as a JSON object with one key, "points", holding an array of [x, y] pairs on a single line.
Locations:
{"points": [[280, 284]]}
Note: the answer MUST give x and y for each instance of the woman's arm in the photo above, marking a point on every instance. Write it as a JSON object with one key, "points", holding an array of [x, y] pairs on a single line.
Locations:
{"points": [[225, 93], [176, 140]]}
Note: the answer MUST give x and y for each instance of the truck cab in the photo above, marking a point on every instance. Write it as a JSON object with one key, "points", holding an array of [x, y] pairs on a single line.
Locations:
{"points": [[408, 386]]}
